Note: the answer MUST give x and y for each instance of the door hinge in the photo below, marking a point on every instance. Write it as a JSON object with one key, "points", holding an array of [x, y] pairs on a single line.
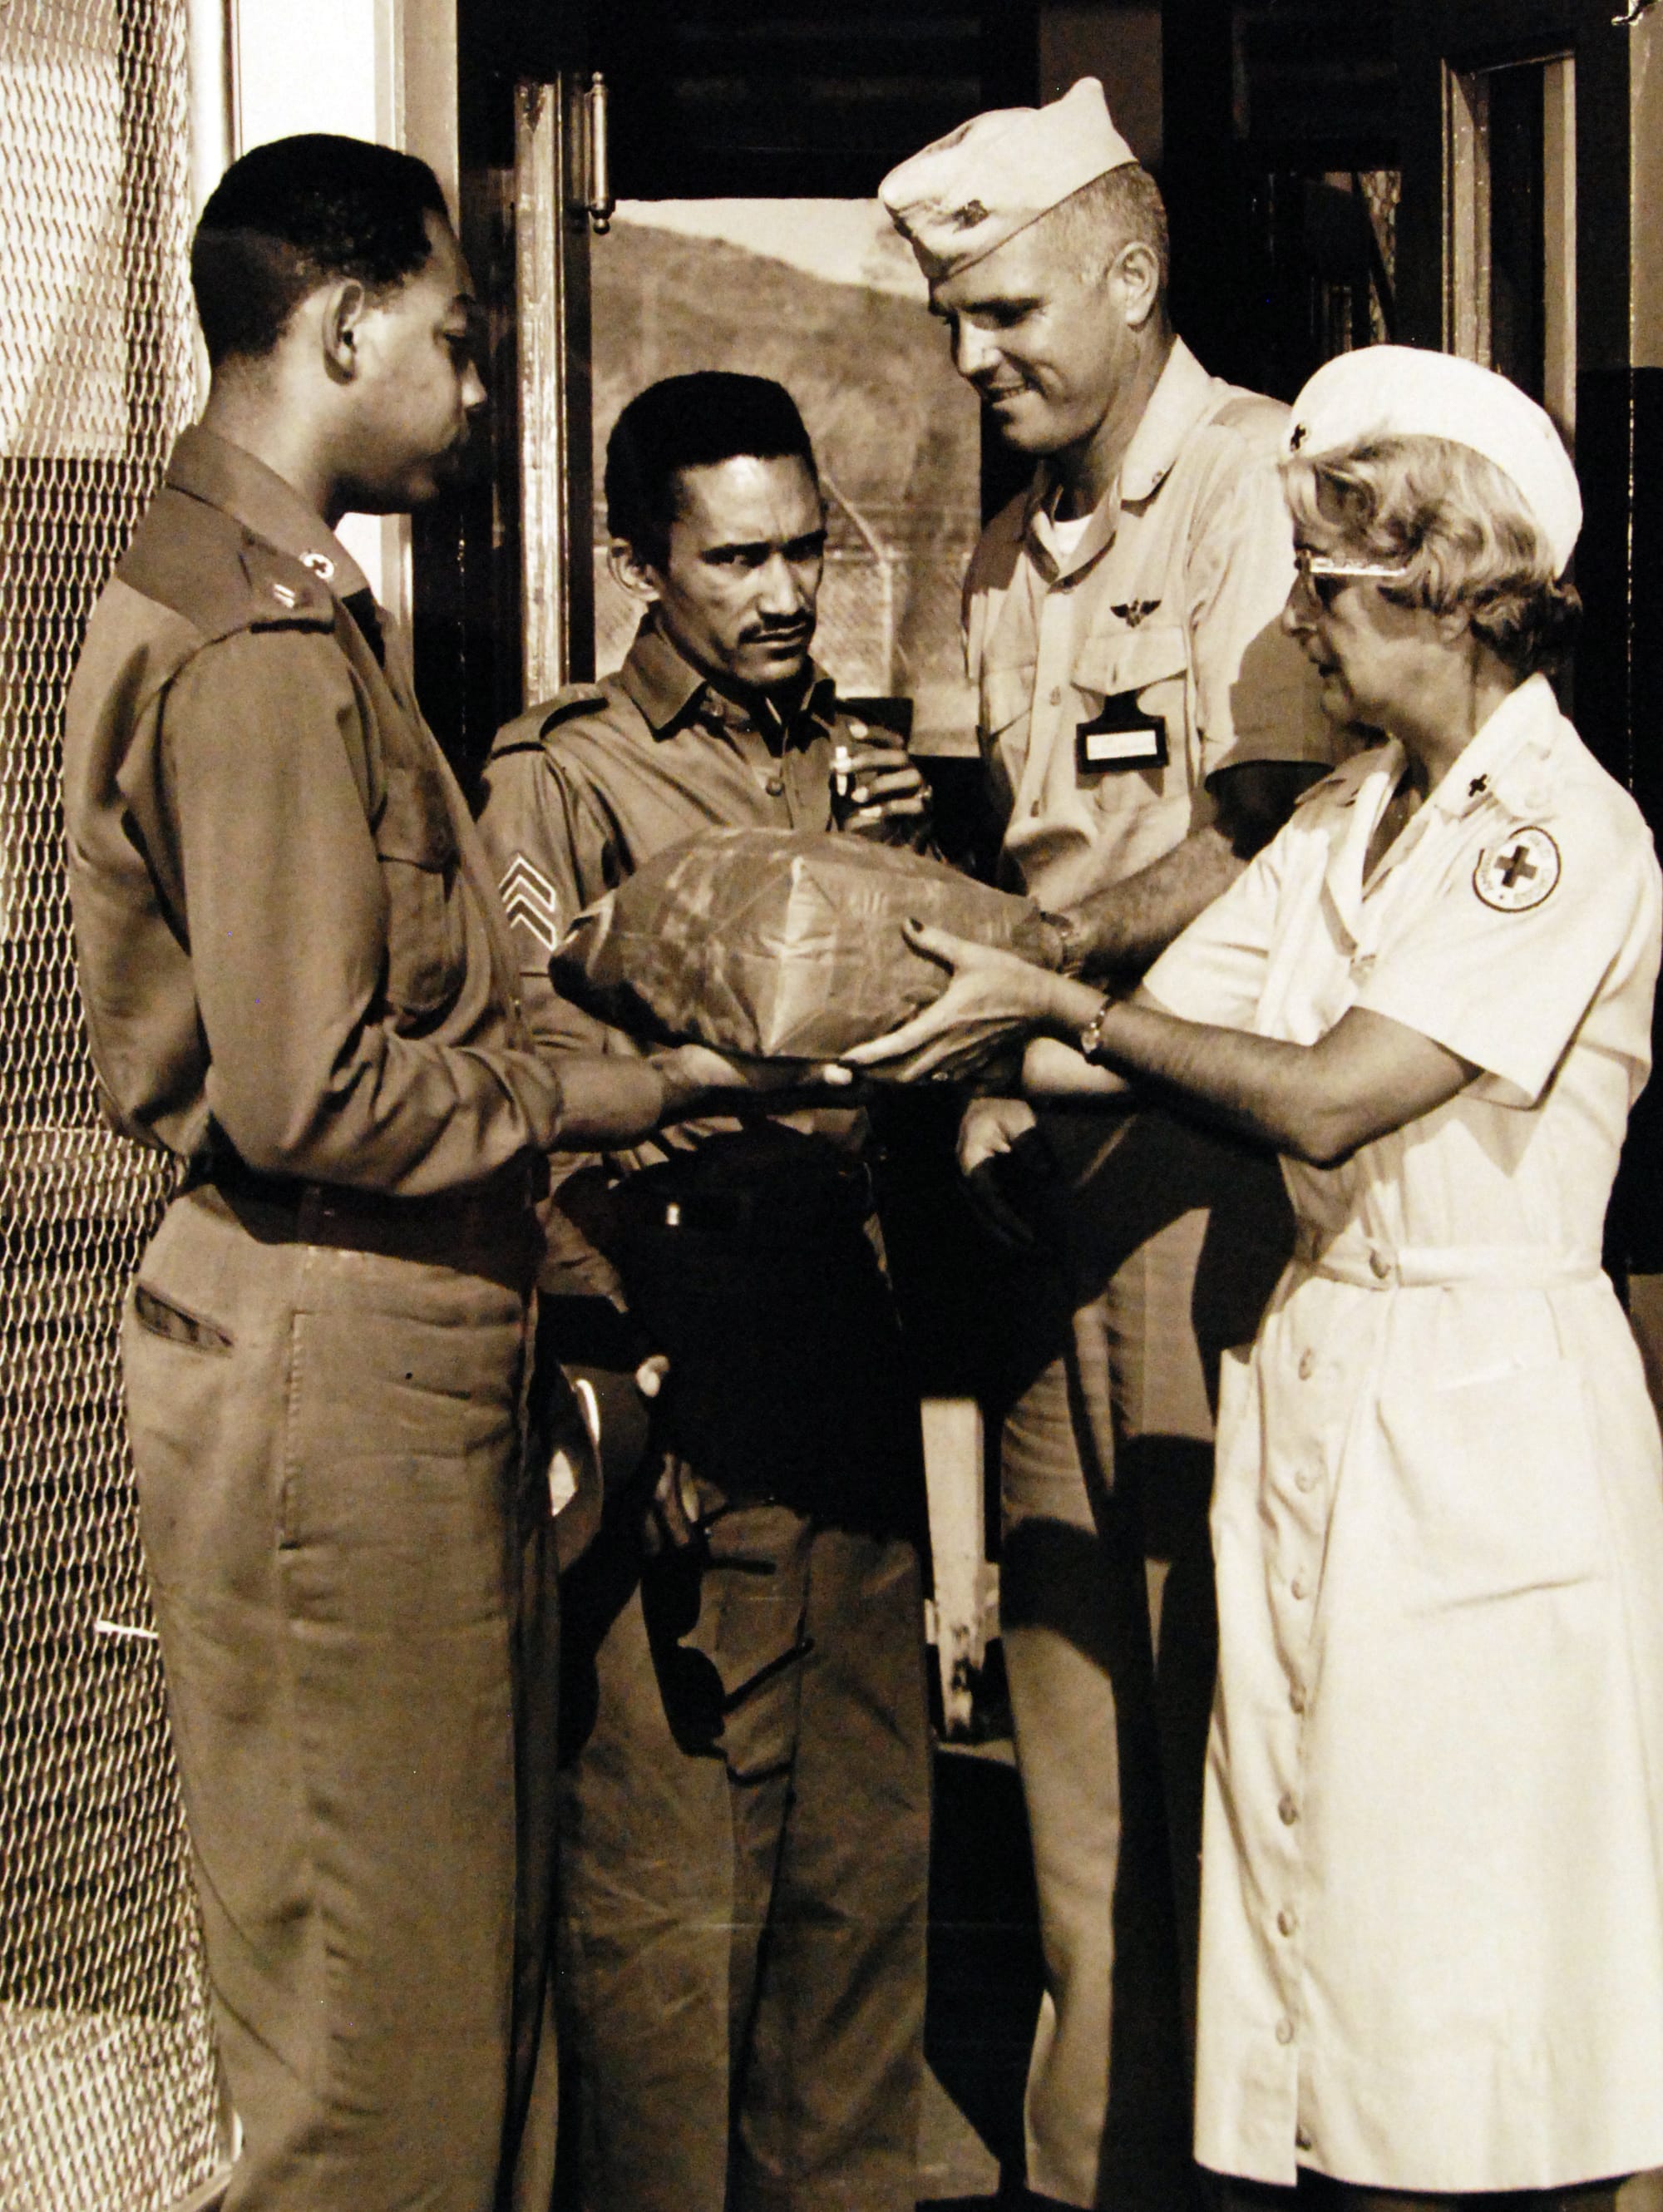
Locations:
{"points": [[598, 165]]}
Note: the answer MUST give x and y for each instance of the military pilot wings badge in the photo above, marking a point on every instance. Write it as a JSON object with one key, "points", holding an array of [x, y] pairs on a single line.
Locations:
{"points": [[1518, 871], [529, 898]]}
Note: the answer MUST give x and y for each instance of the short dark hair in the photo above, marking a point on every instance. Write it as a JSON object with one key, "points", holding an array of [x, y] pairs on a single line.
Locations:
{"points": [[691, 422], [298, 213], [1121, 208]]}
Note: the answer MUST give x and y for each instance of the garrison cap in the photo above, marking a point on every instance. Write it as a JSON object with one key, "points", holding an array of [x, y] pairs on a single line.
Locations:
{"points": [[968, 193], [1407, 391]]}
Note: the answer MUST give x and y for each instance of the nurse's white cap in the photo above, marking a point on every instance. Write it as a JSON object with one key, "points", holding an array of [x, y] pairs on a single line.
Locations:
{"points": [[1405, 392], [982, 184]]}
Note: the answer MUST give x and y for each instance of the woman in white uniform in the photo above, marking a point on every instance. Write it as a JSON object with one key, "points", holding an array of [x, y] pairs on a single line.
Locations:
{"points": [[1432, 1943]]}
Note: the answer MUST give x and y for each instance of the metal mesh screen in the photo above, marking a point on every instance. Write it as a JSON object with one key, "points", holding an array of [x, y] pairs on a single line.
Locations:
{"points": [[107, 2091]]}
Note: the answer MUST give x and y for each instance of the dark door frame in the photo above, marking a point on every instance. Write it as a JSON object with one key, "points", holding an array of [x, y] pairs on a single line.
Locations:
{"points": [[467, 558], [1618, 678], [1466, 34]]}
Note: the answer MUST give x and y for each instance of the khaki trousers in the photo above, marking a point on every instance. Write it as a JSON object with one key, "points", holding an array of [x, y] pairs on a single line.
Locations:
{"points": [[1170, 1240], [745, 1875], [356, 1604]]}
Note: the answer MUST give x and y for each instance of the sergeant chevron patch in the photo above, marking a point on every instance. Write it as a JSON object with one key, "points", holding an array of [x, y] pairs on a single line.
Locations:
{"points": [[530, 898]]}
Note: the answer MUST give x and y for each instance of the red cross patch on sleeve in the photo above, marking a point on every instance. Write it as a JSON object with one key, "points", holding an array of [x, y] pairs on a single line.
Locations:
{"points": [[1518, 871]]}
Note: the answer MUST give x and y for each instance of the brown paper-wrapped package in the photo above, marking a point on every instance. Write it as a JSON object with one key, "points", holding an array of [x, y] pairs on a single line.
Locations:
{"points": [[781, 945]]}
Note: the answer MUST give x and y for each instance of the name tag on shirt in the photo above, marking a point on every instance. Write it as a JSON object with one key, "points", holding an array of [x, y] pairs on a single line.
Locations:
{"points": [[1123, 736]]}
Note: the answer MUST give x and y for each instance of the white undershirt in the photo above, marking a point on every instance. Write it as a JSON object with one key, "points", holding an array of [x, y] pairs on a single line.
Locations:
{"points": [[1066, 536]]}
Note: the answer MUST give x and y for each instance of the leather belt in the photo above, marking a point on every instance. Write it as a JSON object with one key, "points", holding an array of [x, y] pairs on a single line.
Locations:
{"points": [[489, 1230]]}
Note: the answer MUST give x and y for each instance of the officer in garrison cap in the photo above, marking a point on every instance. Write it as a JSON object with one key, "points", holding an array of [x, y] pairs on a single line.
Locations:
{"points": [[1145, 729], [1428, 1979]]}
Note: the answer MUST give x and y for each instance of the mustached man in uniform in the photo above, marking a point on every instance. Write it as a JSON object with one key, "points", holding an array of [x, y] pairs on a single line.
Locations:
{"points": [[1145, 729], [298, 980], [745, 1791]]}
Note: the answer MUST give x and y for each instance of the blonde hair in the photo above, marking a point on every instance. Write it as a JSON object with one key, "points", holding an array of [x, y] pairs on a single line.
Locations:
{"points": [[1466, 540]]}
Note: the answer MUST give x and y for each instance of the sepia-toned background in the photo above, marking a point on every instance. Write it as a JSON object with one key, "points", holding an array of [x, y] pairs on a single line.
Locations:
{"points": [[1479, 173]]}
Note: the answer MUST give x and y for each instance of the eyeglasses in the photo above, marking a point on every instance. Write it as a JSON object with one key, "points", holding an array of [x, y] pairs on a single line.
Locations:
{"points": [[1320, 569]]}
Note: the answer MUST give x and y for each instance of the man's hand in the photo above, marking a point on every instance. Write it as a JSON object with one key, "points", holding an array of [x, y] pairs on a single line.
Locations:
{"points": [[990, 995], [990, 1127], [890, 794], [989, 1133], [671, 1520], [698, 1079]]}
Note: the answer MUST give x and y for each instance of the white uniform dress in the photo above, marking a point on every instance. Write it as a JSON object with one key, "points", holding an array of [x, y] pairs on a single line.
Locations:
{"points": [[1432, 1937]]}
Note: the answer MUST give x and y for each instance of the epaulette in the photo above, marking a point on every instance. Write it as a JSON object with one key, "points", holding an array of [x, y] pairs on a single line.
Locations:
{"points": [[575, 699], [203, 565], [527, 731], [1251, 411]]}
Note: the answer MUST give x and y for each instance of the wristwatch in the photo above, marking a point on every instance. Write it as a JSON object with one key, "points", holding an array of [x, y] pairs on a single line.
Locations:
{"points": [[1090, 1040], [1071, 947]]}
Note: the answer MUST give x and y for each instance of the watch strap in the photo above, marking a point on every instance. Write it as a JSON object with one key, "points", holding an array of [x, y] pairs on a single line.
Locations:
{"points": [[1071, 947], [1090, 1040]]}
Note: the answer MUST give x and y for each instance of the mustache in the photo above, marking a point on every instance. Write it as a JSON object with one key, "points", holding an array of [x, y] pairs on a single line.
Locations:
{"points": [[778, 628]]}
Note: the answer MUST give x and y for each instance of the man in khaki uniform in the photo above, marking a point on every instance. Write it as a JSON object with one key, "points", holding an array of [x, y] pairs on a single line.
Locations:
{"points": [[1145, 729], [744, 1789], [298, 981]]}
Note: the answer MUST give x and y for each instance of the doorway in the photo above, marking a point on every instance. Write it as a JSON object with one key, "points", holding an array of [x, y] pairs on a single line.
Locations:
{"points": [[823, 296]]}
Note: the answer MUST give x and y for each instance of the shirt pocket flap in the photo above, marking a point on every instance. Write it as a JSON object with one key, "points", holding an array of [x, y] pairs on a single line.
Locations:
{"points": [[416, 823], [1007, 694], [1116, 662], [415, 844]]}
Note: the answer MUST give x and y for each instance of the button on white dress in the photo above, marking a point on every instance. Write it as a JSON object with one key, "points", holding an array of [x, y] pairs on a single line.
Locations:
{"points": [[1432, 1943]]}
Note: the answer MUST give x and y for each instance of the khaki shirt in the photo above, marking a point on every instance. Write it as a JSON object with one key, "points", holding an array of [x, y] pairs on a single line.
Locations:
{"points": [[286, 930], [582, 790], [585, 788], [579, 791], [1168, 604]]}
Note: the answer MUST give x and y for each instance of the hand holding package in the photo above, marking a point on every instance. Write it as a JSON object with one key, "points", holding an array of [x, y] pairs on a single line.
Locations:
{"points": [[778, 944]]}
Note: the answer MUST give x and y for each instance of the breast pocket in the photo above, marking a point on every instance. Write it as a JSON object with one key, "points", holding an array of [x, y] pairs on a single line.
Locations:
{"points": [[427, 941], [1007, 701], [1498, 1483], [1128, 679]]}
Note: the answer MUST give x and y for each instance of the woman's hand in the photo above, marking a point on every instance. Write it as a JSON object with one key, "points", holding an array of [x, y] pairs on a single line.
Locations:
{"points": [[989, 995]]}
